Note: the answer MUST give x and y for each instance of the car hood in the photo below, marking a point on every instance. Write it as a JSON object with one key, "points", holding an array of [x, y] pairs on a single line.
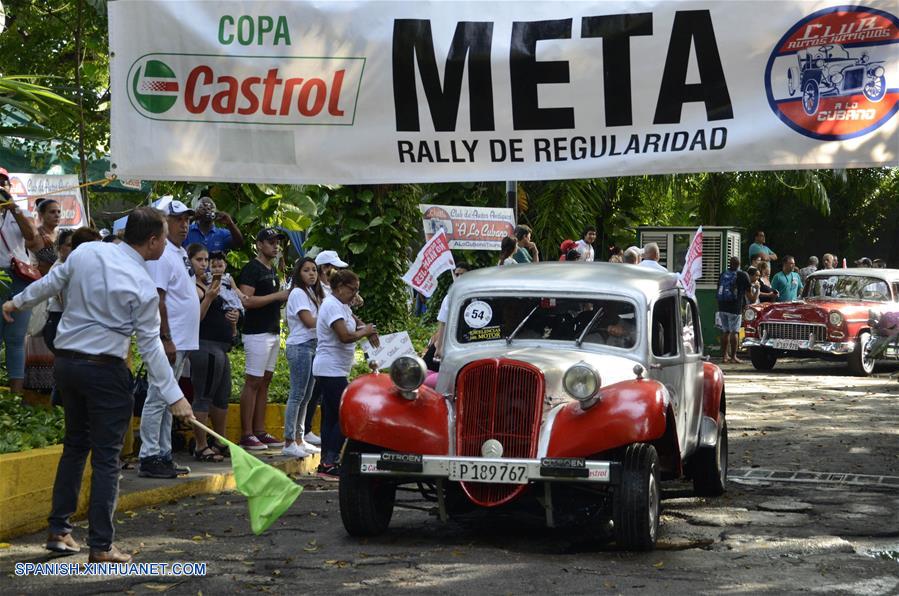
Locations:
{"points": [[816, 311], [552, 361]]}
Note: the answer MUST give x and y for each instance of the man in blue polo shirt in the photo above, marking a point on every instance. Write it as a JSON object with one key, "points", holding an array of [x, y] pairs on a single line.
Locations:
{"points": [[204, 231]]}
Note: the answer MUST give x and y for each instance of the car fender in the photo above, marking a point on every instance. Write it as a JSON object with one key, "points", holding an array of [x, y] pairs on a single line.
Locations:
{"points": [[373, 411], [633, 411], [712, 390]]}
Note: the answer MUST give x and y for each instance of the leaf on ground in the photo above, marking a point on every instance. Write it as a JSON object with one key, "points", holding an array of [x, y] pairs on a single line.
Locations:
{"points": [[156, 587], [659, 565], [311, 546], [197, 538], [5, 545], [174, 551]]}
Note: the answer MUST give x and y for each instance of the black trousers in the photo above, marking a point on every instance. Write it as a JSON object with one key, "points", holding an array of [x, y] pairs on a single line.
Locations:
{"points": [[97, 401]]}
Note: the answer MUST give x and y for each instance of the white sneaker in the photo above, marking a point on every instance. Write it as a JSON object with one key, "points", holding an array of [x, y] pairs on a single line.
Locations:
{"points": [[310, 448], [294, 450], [312, 438]]}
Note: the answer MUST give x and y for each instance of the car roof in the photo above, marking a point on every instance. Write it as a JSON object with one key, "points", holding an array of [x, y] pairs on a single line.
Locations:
{"points": [[558, 278], [884, 274]]}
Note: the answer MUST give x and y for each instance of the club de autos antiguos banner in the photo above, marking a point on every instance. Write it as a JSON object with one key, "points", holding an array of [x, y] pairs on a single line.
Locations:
{"points": [[470, 228], [26, 189], [419, 91]]}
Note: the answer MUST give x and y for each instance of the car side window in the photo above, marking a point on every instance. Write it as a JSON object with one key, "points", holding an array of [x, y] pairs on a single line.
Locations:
{"points": [[896, 291], [665, 334], [690, 334]]}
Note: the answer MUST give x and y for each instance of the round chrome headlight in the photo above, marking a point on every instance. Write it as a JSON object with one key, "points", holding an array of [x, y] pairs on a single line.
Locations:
{"points": [[749, 314], [835, 318], [582, 382], [408, 372], [836, 78]]}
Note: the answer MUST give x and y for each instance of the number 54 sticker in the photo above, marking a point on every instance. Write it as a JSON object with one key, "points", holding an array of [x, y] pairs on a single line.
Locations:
{"points": [[477, 314]]}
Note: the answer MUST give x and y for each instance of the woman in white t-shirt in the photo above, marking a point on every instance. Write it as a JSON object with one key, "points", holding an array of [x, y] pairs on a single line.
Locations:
{"points": [[302, 310], [338, 331]]}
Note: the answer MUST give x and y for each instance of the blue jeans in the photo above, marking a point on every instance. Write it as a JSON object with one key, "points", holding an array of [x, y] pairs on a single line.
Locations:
{"points": [[156, 418], [13, 334], [299, 358]]}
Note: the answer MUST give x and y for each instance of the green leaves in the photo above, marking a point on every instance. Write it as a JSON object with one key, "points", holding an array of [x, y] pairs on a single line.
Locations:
{"points": [[24, 427]]}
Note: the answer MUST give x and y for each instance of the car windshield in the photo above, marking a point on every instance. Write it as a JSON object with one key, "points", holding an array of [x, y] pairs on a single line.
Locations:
{"points": [[848, 287], [606, 322]]}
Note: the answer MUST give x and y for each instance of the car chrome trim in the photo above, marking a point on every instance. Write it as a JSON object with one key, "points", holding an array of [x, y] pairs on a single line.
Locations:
{"points": [[438, 466], [827, 347], [708, 432], [547, 430]]}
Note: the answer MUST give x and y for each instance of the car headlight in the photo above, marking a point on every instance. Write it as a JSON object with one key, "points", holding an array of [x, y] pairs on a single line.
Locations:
{"points": [[836, 78], [835, 318], [408, 373], [749, 315], [877, 71], [582, 382]]}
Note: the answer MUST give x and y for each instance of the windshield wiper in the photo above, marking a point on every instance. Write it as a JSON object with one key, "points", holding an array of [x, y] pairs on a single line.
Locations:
{"points": [[598, 314], [521, 324]]}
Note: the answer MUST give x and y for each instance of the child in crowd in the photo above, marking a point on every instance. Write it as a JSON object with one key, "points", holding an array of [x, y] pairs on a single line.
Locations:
{"points": [[229, 291]]}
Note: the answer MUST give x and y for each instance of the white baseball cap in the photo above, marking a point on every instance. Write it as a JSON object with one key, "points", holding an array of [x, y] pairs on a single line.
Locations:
{"points": [[171, 206], [329, 257]]}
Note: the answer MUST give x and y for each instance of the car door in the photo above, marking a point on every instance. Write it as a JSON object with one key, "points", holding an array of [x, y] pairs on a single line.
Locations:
{"points": [[691, 335], [667, 357]]}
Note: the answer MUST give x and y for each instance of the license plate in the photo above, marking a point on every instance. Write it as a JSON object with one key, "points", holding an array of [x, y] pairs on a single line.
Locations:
{"points": [[788, 344], [502, 473]]}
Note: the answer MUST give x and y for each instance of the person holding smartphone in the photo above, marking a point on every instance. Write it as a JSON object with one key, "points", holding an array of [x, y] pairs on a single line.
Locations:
{"points": [[210, 368]]}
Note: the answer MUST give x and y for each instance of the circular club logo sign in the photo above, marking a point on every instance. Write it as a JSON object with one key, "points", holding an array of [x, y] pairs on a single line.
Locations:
{"points": [[835, 74], [478, 314], [155, 86]]}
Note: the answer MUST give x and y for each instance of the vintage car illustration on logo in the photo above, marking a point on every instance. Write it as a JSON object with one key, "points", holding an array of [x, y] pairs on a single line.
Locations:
{"points": [[830, 70], [566, 390], [846, 314]]}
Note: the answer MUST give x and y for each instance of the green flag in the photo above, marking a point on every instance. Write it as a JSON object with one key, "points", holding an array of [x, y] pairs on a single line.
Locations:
{"points": [[269, 491]]}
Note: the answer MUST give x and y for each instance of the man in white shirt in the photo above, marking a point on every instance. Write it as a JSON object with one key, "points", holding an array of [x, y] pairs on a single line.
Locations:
{"points": [[651, 257], [109, 297], [585, 244], [179, 329], [443, 313]]}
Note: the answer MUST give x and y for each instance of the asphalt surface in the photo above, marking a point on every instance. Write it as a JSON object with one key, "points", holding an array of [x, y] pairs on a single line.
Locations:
{"points": [[836, 532]]}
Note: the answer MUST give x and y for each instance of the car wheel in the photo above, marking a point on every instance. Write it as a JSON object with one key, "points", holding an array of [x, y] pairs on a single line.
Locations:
{"points": [[637, 499], [366, 502], [762, 358], [709, 465], [810, 96], [875, 88], [860, 362]]}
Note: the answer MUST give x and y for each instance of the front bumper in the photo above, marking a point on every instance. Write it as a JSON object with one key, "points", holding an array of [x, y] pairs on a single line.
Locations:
{"points": [[483, 469], [797, 345]]}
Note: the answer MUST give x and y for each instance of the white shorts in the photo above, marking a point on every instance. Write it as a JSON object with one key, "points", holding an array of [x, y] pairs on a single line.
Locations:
{"points": [[261, 351]]}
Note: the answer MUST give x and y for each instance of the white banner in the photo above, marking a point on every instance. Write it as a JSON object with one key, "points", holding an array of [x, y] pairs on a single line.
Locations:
{"points": [[471, 228], [693, 265], [433, 259], [392, 346], [28, 188], [442, 91]]}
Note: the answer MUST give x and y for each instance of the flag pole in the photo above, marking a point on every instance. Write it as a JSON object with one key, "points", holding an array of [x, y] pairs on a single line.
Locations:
{"points": [[199, 424]]}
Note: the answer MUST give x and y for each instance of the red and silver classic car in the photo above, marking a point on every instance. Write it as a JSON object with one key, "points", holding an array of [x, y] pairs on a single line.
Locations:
{"points": [[834, 320], [569, 389]]}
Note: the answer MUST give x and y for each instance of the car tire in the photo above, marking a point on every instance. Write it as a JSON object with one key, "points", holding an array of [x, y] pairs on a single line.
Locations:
{"points": [[762, 358], [810, 97], [859, 364], [636, 503], [366, 502], [875, 89], [709, 466]]}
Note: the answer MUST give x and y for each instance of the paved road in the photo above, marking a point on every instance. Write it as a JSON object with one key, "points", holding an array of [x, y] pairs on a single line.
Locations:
{"points": [[761, 537]]}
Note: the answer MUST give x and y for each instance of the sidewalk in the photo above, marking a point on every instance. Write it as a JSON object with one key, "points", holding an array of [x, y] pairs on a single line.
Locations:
{"points": [[204, 478]]}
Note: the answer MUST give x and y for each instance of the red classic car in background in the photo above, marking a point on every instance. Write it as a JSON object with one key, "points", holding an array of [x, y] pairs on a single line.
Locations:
{"points": [[836, 319], [569, 390]]}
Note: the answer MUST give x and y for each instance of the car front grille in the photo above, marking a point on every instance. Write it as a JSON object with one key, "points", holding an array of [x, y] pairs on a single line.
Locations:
{"points": [[798, 331], [502, 400]]}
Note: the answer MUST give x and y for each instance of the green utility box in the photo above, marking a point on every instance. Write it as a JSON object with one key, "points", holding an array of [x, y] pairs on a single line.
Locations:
{"points": [[719, 243]]}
